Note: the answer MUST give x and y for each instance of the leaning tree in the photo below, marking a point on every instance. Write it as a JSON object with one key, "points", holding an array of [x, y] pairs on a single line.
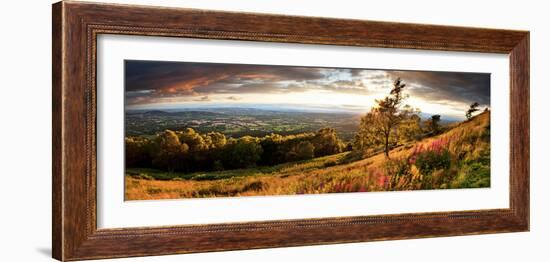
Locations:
{"points": [[473, 108], [379, 127]]}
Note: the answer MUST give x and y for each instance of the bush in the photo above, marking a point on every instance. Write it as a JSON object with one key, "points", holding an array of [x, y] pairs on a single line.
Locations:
{"points": [[433, 157], [429, 161]]}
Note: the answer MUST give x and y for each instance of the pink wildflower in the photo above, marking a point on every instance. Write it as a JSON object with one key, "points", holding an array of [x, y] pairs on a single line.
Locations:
{"points": [[382, 180]]}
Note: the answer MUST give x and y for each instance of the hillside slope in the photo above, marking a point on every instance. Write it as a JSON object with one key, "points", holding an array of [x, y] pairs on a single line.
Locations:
{"points": [[458, 158]]}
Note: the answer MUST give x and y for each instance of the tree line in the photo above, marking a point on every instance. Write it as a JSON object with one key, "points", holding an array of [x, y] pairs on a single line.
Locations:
{"points": [[190, 151]]}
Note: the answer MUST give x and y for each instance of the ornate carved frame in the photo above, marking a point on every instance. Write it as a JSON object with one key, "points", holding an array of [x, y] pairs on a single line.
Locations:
{"points": [[76, 26]]}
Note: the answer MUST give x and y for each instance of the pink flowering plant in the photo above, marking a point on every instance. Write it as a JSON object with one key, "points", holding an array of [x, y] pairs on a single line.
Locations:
{"points": [[432, 157]]}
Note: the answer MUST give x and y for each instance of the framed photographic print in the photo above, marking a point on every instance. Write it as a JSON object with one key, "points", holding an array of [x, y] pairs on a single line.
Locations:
{"points": [[181, 130]]}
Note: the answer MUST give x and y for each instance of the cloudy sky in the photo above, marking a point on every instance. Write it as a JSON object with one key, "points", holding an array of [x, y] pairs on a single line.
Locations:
{"points": [[164, 85]]}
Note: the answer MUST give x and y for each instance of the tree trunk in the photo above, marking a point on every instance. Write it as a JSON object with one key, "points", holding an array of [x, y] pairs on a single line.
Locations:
{"points": [[387, 145]]}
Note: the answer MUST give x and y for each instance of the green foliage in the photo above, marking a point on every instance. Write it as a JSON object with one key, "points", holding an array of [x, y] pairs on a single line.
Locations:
{"points": [[301, 151], [326, 142], [243, 152], [474, 175], [429, 161], [434, 167], [190, 151], [475, 172], [280, 149]]}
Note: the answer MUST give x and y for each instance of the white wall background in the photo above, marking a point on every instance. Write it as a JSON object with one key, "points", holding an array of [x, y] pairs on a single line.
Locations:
{"points": [[25, 130]]}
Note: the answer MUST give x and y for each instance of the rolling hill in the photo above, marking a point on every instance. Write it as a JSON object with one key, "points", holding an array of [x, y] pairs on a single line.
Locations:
{"points": [[457, 158]]}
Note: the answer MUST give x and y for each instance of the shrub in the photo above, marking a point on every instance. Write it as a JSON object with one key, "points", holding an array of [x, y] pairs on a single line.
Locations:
{"points": [[433, 157], [429, 161]]}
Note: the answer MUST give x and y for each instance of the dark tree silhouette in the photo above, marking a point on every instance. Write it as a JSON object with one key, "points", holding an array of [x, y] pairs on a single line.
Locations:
{"points": [[433, 124], [473, 108]]}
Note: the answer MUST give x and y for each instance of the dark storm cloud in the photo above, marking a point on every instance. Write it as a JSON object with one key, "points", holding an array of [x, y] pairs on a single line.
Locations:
{"points": [[149, 81], [177, 77], [445, 86]]}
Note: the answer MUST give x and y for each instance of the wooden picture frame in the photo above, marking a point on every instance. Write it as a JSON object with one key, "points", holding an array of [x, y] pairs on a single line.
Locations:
{"points": [[76, 26]]}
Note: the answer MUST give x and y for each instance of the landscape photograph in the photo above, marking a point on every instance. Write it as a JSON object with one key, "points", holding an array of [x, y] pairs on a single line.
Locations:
{"points": [[208, 130]]}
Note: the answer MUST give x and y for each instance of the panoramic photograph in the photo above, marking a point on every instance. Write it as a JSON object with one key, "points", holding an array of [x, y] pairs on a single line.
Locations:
{"points": [[205, 130]]}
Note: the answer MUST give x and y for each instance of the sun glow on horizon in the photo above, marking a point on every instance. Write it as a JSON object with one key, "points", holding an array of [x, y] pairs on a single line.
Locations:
{"points": [[314, 99], [311, 98]]}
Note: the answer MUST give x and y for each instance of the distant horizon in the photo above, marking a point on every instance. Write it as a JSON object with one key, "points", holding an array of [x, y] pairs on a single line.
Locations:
{"points": [[279, 108]]}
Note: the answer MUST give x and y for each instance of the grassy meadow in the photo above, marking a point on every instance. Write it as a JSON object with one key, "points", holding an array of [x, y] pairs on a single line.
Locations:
{"points": [[458, 157]]}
